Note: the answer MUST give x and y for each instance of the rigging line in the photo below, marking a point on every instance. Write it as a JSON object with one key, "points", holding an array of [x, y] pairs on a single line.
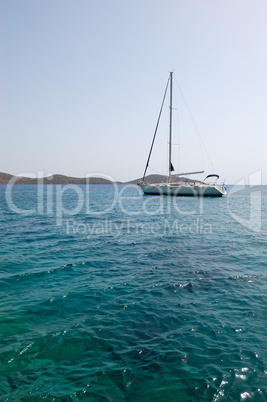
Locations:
{"points": [[155, 171], [194, 123], [156, 129], [177, 132]]}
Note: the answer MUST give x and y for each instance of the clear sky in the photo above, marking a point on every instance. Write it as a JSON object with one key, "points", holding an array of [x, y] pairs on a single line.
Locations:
{"points": [[81, 83]]}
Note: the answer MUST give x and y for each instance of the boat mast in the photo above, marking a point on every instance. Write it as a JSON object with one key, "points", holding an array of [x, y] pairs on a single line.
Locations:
{"points": [[156, 129], [170, 138]]}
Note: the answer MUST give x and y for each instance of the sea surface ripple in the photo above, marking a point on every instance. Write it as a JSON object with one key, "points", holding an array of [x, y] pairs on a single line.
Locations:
{"points": [[136, 298]]}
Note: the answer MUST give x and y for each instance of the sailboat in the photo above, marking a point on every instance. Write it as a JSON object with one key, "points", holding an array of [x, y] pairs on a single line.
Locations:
{"points": [[173, 185]]}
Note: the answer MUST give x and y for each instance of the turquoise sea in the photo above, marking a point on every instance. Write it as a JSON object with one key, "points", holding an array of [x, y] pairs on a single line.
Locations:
{"points": [[110, 295]]}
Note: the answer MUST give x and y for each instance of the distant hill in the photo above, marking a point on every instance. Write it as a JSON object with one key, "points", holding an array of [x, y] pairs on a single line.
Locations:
{"points": [[5, 177], [157, 178], [55, 179], [61, 179]]}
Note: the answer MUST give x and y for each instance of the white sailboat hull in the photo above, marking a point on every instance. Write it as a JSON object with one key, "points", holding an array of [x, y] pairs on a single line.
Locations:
{"points": [[188, 190]]}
